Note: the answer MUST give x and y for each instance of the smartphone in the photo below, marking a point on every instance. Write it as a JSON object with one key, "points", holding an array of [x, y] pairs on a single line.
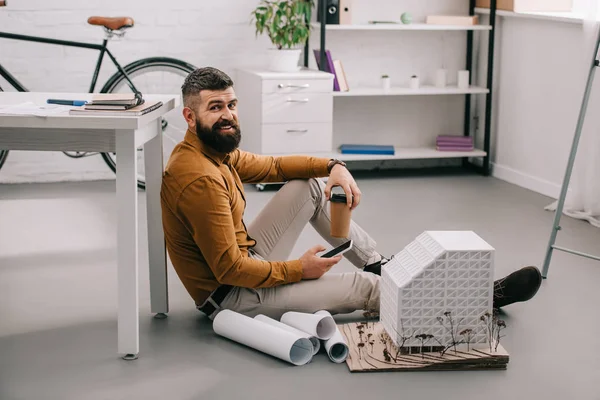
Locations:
{"points": [[341, 249]]}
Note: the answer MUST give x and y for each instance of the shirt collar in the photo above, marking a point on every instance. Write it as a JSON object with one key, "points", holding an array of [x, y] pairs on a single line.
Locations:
{"points": [[218, 158]]}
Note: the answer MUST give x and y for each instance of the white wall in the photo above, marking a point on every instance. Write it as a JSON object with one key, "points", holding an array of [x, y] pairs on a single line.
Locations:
{"points": [[540, 79], [218, 33]]}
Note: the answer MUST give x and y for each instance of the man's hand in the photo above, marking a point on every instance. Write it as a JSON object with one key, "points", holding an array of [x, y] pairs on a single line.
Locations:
{"points": [[340, 176], [313, 266]]}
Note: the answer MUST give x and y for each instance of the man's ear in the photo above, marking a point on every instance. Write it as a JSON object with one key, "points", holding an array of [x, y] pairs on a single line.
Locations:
{"points": [[189, 116]]}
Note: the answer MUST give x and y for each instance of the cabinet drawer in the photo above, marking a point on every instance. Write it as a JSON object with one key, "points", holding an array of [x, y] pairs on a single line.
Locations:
{"points": [[287, 86], [297, 138], [290, 108]]}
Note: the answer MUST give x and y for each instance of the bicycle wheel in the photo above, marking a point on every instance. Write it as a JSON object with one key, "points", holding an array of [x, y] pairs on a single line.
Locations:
{"points": [[3, 155], [157, 75]]}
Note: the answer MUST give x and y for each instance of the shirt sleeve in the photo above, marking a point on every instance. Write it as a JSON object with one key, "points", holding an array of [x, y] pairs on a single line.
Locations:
{"points": [[256, 168], [205, 210]]}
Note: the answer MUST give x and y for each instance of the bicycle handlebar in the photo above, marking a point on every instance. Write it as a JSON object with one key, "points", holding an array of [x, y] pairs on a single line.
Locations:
{"points": [[2, 3]]}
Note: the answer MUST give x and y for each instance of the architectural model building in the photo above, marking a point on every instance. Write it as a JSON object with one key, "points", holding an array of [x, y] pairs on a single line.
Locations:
{"points": [[441, 284]]}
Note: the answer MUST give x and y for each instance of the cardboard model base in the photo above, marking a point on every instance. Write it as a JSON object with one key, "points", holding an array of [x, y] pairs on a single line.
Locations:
{"points": [[371, 356]]}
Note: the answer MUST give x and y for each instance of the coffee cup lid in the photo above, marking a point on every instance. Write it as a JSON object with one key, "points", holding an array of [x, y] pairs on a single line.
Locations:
{"points": [[338, 198]]}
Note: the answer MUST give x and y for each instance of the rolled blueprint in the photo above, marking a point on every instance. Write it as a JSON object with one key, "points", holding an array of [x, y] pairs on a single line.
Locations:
{"points": [[321, 326], [335, 346], [267, 338], [313, 339]]}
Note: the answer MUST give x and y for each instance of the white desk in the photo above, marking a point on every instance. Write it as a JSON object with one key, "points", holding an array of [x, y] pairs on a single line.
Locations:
{"points": [[109, 134]]}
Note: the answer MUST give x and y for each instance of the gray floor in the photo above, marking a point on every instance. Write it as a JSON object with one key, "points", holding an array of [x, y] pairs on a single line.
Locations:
{"points": [[58, 303]]}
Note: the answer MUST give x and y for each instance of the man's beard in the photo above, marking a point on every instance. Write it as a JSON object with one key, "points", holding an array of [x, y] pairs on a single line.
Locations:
{"points": [[219, 141]]}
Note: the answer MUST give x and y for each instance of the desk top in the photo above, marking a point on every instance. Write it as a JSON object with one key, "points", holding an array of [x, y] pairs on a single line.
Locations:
{"points": [[64, 120]]}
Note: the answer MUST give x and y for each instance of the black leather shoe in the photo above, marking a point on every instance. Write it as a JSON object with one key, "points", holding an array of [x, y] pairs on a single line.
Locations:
{"points": [[519, 286], [375, 268]]}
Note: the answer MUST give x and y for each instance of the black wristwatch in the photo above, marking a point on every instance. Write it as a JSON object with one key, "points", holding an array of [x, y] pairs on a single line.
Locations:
{"points": [[334, 162]]}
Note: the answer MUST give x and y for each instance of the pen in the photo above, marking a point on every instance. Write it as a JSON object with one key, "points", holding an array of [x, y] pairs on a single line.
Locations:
{"points": [[67, 102]]}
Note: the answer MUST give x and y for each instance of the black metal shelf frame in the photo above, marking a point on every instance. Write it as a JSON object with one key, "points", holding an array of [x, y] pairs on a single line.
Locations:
{"points": [[485, 168]]}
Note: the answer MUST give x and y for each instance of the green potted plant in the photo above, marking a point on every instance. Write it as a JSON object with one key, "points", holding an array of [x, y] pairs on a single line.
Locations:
{"points": [[287, 24]]}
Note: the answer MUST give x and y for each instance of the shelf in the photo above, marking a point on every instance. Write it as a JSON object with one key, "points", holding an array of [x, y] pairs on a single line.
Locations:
{"points": [[414, 153], [567, 17], [401, 27], [404, 91]]}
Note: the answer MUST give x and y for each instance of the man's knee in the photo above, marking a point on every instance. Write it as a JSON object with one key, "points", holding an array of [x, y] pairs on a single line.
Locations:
{"points": [[313, 185]]}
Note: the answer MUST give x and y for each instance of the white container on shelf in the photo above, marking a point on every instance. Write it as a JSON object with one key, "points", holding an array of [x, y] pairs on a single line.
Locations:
{"points": [[386, 83], [463, 79], [414, 82], [441, 78]]}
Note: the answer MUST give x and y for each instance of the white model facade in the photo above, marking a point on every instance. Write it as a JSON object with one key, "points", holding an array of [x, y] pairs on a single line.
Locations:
{"points": [[441, 274]]}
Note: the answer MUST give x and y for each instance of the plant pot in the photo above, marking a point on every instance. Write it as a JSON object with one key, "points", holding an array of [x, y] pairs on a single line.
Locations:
{"points": [[284, 60]]}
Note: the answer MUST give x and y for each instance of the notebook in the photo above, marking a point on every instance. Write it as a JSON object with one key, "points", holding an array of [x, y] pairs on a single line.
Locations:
{"points": [[136, 111]]}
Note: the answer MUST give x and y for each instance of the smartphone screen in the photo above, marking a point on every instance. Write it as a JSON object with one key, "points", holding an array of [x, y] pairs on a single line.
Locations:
{"points": [[341, 248]]}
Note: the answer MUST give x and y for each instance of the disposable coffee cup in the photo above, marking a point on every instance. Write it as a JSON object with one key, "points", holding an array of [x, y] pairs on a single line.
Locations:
{"points": [[341, 215]]}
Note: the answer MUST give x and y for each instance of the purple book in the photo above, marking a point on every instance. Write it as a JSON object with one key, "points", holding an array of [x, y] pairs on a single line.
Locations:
{"points": [[328, 68], [454, 143], [454, 148]]}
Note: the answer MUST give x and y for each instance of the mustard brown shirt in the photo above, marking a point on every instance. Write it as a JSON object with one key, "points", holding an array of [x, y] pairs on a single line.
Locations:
{"points": [[203, 203]]}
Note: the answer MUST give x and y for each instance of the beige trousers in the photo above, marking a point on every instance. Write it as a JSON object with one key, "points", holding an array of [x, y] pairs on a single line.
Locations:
{"points": [[276, 230]]}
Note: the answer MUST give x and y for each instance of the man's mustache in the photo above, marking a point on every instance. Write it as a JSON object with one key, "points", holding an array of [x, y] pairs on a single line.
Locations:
{"points": [[225, 123]]}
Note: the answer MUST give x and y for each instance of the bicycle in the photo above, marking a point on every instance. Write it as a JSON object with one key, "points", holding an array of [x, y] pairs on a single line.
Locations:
{"points": [[171, 70]]}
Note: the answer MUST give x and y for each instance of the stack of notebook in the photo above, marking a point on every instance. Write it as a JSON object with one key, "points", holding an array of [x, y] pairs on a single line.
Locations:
{"points": [[116, 104], [454, 143]]}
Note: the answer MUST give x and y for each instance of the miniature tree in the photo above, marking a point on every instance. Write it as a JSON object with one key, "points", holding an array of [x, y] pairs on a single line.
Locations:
{"points": [[500, 324], [371, 342], [360, 347], [424, 338], [468, 335], [493, 327], [452, 329]]}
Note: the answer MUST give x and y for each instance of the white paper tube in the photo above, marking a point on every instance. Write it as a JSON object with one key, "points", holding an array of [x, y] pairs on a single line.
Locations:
{"points": [[321, 326], [316, 343], [336, 346], [263, 337]]}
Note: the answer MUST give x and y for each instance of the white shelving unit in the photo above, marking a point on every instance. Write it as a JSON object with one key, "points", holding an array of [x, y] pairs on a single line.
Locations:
{"points": [[404, 91], [402, 27], [401, 152]]}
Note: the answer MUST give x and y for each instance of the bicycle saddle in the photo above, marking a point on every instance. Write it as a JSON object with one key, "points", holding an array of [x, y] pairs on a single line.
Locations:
{"points": [[111, 23]]}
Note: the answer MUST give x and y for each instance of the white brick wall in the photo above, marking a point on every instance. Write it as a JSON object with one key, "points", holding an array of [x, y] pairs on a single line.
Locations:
{"points": [[219, 33]]}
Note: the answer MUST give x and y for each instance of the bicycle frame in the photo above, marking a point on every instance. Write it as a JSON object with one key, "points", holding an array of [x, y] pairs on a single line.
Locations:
{"points": [[103, 49]]}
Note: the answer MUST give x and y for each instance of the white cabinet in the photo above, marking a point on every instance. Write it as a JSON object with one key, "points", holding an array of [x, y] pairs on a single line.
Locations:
{"points": [[285, 113]]}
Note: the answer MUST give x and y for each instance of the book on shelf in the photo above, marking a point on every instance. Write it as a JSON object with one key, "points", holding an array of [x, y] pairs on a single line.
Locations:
{"points": [[452, 20], [367, 149], [329, 67], [341, 75], [135, 111], [454, 143]]}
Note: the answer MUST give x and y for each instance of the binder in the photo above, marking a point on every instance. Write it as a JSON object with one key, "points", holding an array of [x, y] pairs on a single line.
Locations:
{"points": [[367, 149]]}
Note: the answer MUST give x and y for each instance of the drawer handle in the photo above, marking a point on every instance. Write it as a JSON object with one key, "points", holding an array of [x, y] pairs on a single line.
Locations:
{"points": [[300, 131], [281, 86], [297, 100]]}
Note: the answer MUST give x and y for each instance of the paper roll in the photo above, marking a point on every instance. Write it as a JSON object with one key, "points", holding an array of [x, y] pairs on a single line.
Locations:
{"points": [[258, 335], [336, 346], [321, 326], [316, 343]]}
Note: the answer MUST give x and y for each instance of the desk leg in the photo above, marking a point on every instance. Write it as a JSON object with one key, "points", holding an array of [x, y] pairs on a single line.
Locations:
{"points": [[153, 162], [127, 245]]}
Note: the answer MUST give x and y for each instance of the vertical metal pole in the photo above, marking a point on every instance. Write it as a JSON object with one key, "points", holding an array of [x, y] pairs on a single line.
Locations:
{"points": [[323, 23], [490, 80], [571, 162], [469, 66]]}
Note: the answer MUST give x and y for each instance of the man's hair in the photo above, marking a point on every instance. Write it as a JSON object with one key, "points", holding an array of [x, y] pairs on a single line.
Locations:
{"points": [[207, 78]]}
